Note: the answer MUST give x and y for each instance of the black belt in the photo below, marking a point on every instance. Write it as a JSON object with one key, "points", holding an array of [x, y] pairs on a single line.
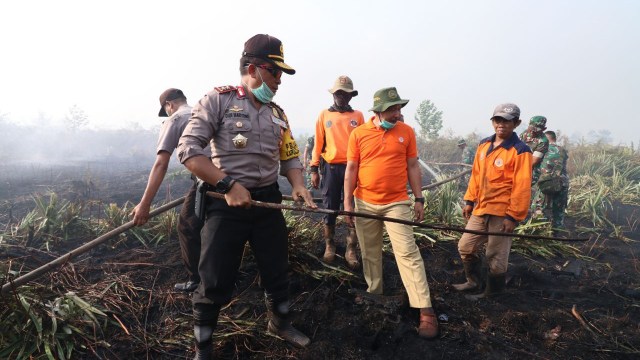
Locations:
{"points": [[264, 190]]}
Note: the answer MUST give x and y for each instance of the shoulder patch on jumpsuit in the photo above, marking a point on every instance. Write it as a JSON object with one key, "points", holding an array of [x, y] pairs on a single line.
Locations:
{"points": [[521, 147]]}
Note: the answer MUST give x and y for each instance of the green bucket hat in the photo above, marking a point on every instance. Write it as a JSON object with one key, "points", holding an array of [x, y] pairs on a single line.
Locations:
{"points": [[385, 98]]}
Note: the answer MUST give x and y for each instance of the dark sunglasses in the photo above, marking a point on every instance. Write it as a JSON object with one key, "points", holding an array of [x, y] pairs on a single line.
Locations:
{"points": [[274, 72]]}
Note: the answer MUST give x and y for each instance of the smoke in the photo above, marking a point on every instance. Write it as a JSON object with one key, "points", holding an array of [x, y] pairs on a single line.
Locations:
{"points": [[50, 144]]}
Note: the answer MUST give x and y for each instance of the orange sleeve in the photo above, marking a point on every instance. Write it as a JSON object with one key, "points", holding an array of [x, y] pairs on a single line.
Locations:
{"points": [[521, 191], [319, 140]]}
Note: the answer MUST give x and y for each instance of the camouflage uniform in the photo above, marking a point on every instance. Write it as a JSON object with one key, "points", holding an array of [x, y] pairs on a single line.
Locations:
{"points": [[468, 154], [555, 165], [309, 153], [539, 145]]}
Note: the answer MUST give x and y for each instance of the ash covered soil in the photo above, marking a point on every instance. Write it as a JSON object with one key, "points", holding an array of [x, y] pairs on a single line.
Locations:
{"points": [[536, 318]]}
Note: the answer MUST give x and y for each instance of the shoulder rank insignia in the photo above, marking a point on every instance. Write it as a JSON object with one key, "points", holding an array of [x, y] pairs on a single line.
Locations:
{"points": [[225, 89], [241, 93]]}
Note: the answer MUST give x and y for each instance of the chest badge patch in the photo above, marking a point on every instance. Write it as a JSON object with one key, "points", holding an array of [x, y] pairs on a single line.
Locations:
{"points": [[353, 123], [328, 124], [401, 139], [239, 124], [239, 141], [499, 162], [235, 108], [280, 122]]}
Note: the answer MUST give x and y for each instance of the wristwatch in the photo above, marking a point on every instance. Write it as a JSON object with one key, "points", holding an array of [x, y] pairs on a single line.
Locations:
{"points": [[224, 186], [420, 200]]}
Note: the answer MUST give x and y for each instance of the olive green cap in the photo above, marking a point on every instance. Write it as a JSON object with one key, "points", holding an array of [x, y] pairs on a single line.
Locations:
{"points": [[385, 98]]}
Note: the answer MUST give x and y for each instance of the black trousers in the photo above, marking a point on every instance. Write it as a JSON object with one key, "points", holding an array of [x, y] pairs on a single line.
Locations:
{"points": [[189, 227], [224, 235], [332, 185]]}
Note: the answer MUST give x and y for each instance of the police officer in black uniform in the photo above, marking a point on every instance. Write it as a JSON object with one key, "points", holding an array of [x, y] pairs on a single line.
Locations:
{"points": [[251, 142]]}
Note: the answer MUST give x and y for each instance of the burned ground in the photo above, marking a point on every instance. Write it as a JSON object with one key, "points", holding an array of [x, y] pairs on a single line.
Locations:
{"points": [[132, 283]]}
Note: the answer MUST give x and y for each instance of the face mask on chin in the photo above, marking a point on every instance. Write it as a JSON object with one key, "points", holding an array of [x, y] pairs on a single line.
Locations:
{"points": [[263, 93], [387, 125]]}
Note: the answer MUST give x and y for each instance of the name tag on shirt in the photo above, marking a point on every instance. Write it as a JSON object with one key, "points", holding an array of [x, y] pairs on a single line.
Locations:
{"points": [[279, 122]]}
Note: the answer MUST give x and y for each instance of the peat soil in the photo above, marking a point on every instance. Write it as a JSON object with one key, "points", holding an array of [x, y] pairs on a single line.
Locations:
{"points": [[562, 307]]}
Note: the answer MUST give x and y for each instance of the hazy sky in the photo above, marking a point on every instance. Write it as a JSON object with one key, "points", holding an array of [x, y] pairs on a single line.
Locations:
{"points": [[576, 62]]}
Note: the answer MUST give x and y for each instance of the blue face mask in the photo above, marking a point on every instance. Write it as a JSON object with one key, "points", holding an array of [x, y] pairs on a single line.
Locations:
{"points": [[387, 125], [263, 93]]}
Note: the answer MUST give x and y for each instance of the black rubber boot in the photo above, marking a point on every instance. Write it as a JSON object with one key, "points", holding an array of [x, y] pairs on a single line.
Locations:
{"points": [[205, 318], [473, 274], [495, 286], [280, 324]]}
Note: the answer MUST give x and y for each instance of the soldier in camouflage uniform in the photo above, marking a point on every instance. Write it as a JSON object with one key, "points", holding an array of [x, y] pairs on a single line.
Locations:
{"points": [[538, 143], [467, 153], [466, 158], [536, 140], [555, 165], [306, 161]]}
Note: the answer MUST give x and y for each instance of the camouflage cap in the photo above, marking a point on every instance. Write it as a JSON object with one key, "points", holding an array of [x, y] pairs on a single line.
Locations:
{"points": [[385, 98], [538, 121], [507, 111]]}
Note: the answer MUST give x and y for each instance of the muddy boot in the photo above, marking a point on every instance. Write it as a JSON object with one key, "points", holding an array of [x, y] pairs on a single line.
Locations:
{"points": [[330, 248], [205, 319], [472, 271], [280, 324], [428, 327], [351, 255], [495, 286]]}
